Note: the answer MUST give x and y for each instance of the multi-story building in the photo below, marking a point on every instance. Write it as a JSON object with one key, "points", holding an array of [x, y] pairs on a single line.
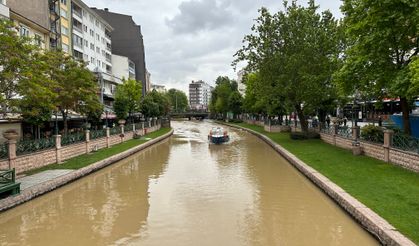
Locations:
{"points": [[199, 95], [123, 67], [91, 42], [147, 81], [158, 88], [127, 41], [4, 10]]}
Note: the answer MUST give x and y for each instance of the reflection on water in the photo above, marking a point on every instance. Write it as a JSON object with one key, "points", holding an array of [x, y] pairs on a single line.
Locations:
{"points": [[185, 191]]}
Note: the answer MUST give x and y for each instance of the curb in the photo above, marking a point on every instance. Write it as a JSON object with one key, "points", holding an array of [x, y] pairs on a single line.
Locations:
{"points": [[53, 184], [372, 222]]}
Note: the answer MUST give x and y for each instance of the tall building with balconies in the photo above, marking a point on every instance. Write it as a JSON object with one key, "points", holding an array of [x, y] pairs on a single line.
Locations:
{"points": [[199, 95]]}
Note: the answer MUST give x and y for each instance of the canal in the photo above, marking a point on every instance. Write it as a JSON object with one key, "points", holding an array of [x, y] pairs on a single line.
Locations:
{"points": [[184, 191]]}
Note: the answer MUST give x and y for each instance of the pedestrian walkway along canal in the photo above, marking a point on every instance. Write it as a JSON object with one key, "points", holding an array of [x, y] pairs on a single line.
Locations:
{"points": [[185, 191]]}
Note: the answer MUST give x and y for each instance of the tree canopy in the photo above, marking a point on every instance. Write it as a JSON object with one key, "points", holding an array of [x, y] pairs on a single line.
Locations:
{"points": [[383, 41], [178, 100], [127, 98], [294, 53]]}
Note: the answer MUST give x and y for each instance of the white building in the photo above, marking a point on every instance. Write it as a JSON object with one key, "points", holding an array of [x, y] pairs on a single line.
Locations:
{"points": [[199, 95], [4, 10], [240, 85], [123, 67], [159, 88]]}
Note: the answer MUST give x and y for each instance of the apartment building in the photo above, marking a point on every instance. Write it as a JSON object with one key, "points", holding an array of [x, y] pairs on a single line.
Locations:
{"points": [[127, 41], [123, 67], [199, 95], [241, 86], [4, 10]]}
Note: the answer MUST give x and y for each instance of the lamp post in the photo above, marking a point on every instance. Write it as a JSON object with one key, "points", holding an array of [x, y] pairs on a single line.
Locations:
{"points": [[56, 122]]}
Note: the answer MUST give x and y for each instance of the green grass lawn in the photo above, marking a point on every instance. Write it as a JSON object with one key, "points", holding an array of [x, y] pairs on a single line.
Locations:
{"points": [[389, 190], [87, 159]]}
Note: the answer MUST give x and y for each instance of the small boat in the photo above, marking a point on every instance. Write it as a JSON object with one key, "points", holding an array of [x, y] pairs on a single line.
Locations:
{"points": [[217, 135]]}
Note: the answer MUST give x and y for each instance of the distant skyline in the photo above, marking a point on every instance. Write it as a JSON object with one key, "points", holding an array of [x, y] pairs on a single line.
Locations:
{"points": [[189, 40]]}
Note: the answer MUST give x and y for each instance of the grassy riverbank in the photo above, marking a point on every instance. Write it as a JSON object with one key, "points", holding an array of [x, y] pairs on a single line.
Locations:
{"points": [[392, 192], [87, 159]]}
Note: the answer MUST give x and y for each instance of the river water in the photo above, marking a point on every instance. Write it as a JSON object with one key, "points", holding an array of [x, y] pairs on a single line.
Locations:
{"points": [[185, 191]]}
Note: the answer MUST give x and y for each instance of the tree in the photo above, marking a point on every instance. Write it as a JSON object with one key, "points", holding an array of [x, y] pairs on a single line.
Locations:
{"points": [[127, 98], [295, 52], [16, 64], [221, 94], [155, 104], [178, 100], [75, 86], [383, 42], [235, 102], [149, 108]]}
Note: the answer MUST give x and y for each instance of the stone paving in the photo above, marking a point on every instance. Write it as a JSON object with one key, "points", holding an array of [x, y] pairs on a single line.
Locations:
{"points": [[39, 178]]}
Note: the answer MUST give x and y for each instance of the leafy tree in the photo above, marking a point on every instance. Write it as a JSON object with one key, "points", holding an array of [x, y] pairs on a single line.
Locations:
{"points": [[16, 63], [221, 95], [178, 100], [162, 101], [149, 107], [383, 38], [295, 53], [127, 98], [235, 102], [75, 86]]}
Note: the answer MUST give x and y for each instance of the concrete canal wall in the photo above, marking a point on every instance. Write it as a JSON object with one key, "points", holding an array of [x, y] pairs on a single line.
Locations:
{"points": [[372, 222], [43, 188]]}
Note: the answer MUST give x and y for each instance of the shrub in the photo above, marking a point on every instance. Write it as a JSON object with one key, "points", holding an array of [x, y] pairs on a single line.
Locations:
{"points": [[372, 133], [236, 121], [304, 136]]}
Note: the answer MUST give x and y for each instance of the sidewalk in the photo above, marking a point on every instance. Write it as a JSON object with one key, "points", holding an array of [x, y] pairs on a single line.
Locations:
{"points": [[30, 181]]}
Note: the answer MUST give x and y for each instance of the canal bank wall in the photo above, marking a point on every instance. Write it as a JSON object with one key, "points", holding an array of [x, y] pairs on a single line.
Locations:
{"points": [[372, 222], [45, 187]]}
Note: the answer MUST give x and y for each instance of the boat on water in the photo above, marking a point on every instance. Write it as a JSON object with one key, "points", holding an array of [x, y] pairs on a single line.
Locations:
{"points": [[218, 135]]}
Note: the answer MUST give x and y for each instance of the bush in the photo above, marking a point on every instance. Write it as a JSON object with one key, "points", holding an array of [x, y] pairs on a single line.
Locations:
{"points": [[236, 121], [304, 136], [372, 133]]}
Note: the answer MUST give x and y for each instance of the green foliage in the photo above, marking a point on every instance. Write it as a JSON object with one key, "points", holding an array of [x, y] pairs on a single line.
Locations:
{"points": [[235, 102], [155, 104], [293, 53], [127, 98], [372, 133], [383, 42], [226, 97], [304, 135], [178, 100]]}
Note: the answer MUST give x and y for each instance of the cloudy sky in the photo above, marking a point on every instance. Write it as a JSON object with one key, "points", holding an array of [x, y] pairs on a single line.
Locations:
{"points": [[189, 40]]}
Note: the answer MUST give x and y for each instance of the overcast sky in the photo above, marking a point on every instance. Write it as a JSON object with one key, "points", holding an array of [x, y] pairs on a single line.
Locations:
{"points": [[189, 40]]}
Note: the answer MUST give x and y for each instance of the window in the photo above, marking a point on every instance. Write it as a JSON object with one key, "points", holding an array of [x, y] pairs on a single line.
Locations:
{"points": [[77, 41], [64, 2], [91, 18], [64, 30], [98, 63], [86, 43], [103, 53], [38, 40], [92, 46], [63, 13], [84, 13], [103, 40], [85, 28], [92, 60], [85, 57], [97, 50], [97, 23], [97, 37], [92, 33], [78, 55], [24, 31], [64, 47]]}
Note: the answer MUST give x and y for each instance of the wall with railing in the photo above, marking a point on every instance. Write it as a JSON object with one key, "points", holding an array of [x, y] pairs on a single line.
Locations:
{"points": [[25, 155], [388, 146]]}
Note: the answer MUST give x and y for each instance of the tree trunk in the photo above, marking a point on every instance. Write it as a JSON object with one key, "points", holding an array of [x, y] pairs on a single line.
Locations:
{"points": [[303, 120], [405, 110]]}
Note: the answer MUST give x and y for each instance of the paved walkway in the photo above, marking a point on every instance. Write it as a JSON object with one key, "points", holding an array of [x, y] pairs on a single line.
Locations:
{"points": [[39, 178]]}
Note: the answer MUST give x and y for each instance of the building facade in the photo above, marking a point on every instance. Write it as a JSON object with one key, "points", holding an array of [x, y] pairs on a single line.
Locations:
{"points": [[4, 10], [199, 95], [158, 88], [241, 86], [127, 40], [123, 67]]}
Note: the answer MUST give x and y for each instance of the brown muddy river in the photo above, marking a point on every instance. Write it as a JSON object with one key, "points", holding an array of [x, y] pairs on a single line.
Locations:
{"points": [[184, 191]]}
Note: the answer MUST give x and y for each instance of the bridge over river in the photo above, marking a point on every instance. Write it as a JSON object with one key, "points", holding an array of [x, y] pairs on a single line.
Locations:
{"points": [[184, 191]]}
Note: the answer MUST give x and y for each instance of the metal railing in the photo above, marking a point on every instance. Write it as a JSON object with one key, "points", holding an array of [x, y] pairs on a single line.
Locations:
{"points": [[73, 138], [30, 146], [405, 142], [345, 132], [4, 151], [95, 134], [128, 128], [115, 130]]}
